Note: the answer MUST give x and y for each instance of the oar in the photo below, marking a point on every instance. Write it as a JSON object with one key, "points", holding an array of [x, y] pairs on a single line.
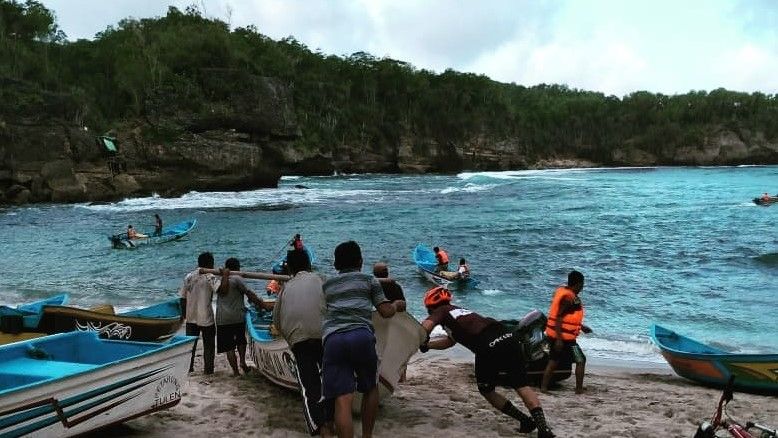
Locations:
{"points": [[265, 275]]}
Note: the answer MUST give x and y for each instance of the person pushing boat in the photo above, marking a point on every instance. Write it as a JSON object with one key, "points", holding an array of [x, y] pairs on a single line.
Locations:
{"points": [[157, 225], [496, 351]]}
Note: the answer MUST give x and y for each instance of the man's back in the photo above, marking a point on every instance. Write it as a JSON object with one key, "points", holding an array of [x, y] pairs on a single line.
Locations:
{"points": [[230, 307], [298, 309], [350, 299], [198, 290]]}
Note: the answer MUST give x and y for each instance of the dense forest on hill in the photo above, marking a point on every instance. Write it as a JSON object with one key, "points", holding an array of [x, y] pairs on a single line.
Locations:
{"points": [[182, 73]]}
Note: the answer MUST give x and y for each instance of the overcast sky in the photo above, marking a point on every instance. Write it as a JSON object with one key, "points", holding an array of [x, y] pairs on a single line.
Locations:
{"points": [[615, 47]]}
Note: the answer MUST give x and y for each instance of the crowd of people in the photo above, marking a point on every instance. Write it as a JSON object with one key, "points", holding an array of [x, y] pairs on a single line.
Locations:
{"points": [[328, 326]]}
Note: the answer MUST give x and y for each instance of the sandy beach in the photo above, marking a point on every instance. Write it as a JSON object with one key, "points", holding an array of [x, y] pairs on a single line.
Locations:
{"points": [[440, 399]]}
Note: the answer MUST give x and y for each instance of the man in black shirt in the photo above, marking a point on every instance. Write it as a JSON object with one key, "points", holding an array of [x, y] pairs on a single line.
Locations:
{"points": [[392, 290], [496, 350]]}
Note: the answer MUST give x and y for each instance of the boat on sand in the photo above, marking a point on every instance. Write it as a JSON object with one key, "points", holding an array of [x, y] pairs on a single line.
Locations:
{"points": [[72, 383]]}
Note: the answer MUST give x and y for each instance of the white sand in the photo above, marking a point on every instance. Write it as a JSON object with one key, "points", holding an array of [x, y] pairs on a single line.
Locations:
{"points": [[440, 399]]}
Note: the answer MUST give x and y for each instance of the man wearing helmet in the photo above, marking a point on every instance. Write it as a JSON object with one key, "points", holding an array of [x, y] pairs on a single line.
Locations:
{"points": [[496, 350]]}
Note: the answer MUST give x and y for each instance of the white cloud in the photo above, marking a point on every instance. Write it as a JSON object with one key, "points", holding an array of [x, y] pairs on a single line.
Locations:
{"points": [[747, 68]]}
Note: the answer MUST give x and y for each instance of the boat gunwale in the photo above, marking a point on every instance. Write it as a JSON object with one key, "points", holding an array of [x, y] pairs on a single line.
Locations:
{"points": [[740, 357]]}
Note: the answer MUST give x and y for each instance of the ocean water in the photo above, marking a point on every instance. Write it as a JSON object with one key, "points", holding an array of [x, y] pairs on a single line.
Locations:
{"points": [[683, 247]]}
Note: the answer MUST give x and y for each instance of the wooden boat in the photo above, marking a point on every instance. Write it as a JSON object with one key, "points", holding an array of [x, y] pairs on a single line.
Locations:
{"points": [[766, 201], [169, 233], [397, 339], [71, 383], [153, 323], [278, 265], [425, 260], [712, 366], [21, 323]]}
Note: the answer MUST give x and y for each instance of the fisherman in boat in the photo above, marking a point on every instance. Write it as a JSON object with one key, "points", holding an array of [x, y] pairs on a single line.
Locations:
{"points": [[565, 323], [297, 242], [442, 257], [231, 315], [349, 340], [297, 316], [463, 272], [157, 225], [766, 197], [496, 350], [132, 234]]}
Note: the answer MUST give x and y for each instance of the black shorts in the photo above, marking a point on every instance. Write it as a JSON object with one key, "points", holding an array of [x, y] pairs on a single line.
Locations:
{"points": [[570, 353], [499, 361], [229, 336]]}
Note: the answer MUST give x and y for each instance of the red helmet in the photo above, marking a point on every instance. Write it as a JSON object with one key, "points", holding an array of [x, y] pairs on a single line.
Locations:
{"points": [[436, 296]]}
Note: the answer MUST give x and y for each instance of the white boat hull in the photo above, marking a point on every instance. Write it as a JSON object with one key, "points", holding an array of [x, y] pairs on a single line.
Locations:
{"points": [[97, 398]]}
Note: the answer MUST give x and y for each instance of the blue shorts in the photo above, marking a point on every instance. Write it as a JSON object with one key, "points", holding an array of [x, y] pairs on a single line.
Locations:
{"points": [[349, 358]]}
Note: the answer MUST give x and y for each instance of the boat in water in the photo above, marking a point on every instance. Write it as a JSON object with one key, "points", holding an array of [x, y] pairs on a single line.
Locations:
{"points": [[397, 339], [765, 201], [169, 234], [154, 323], [714, 367], [426, 262], [21, 323], [72, 383]]}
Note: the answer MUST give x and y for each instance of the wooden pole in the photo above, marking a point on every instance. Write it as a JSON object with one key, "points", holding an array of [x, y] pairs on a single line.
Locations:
{"points": [[266, 276]]}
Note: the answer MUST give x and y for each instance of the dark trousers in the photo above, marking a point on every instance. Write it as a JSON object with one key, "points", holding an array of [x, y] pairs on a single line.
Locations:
{"points": [[308, 357], [209, 345]]}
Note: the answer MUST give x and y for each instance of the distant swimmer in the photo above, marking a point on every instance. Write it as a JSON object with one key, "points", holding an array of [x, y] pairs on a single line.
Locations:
{"points": [[565, 322], [497, 352], [442, 256]]}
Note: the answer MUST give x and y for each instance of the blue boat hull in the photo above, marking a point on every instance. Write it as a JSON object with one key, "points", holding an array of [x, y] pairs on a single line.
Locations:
{"points": [[425, 260], [169, 234], [712, 366]]}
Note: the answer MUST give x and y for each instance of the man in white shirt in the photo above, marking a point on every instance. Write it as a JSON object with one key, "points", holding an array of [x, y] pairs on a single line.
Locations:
{"points": [[196, 297]]}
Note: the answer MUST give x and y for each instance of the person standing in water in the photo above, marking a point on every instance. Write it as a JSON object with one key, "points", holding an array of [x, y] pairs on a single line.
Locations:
{"points": [[157, 225]]}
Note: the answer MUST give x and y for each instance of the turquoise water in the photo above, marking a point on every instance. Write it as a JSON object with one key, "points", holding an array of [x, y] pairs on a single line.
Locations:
{"points": [[684, 247]]}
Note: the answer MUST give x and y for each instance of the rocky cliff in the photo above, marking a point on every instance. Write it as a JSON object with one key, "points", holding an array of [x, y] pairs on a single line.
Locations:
{"points": [[249, 137]]}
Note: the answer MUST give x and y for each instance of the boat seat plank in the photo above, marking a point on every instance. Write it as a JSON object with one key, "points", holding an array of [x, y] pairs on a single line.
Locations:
{"points": [[47, 368]]}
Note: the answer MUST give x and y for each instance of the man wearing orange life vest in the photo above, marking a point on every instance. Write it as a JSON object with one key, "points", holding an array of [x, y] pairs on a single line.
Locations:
{"points": [[565, 322], [442, 257]]}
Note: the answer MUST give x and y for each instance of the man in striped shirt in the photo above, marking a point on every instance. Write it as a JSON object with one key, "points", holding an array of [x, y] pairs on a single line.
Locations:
{"points": [[349, 342]]}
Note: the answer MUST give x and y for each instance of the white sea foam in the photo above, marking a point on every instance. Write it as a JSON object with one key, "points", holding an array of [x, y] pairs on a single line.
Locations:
{"points": [[637, 348], [246, 199], [468, 188], [491, 292], [290, 178]]}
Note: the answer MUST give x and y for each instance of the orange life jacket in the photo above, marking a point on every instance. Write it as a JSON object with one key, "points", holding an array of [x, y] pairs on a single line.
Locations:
{"points": [[273, 287], [571, 321], [442, 257]]}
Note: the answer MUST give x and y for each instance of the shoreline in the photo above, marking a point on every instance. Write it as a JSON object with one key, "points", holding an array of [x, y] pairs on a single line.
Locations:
{"points": [[440, 399]]}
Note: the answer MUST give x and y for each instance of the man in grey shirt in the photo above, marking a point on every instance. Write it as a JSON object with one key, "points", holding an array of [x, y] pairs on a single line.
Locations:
{"points": [[231, 315], [297, 315], [349, 342]]}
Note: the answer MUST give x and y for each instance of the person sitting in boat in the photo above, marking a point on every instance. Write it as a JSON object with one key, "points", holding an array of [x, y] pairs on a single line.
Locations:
{"points": [[565, 322], [273, 287], [766, 197], [442, 257], [132, 234], [297, 316], [496, 351], [231, 315], [463, 272], [297, 242], [157, 225]]}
